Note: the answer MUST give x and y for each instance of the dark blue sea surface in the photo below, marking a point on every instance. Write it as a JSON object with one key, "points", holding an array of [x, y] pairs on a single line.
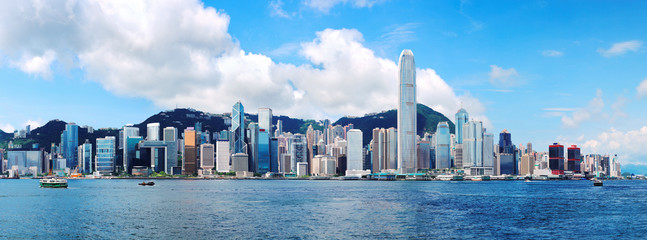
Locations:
{"points": [[299, 209]]}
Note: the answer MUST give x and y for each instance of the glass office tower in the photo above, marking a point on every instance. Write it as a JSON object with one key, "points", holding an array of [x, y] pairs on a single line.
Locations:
{"points": [[407, 111], [237, 128], [105, 158], [461, 118]]}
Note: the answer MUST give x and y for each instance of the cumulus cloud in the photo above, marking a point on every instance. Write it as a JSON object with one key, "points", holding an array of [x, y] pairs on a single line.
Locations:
{"points": [[324, 6], [504, 77], [180, 53], [629, 145], [621, 48], [36, 65], [642, 89], [552, 53], [33, 124], [594, 107], [5, 127]]}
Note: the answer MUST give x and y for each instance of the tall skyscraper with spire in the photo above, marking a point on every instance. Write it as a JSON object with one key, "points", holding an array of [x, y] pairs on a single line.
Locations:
{"points": [[407, 111], [461, 118], [237, 128]]}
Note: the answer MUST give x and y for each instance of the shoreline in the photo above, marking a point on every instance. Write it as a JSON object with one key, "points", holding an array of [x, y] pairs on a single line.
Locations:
{"points": [[315, 179]]}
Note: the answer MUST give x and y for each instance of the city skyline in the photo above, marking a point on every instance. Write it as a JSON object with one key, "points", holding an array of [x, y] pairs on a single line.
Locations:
{"points": [[304, 71]]}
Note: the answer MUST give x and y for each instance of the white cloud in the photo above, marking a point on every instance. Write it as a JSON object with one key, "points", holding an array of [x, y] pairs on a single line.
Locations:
{"points": [[276, 8], [33, 124], [581, 115], [180, 53], [504, 77], [324, 6], [621, 48], [552, 53], [560, 109], [5, 127], [630, 145], [36, 65], [642, 89]]}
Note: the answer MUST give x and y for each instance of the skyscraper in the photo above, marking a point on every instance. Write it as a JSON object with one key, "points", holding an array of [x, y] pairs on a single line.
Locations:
{"points": [[407, 112], [85, 157], [170, 134], [506, 154], [263, 153], [128, 150], [298, 151], [69, 144], [222, 156], [190, 152], [105, 159], [265, 120], [207, 153], [279, 128], [478, 149], [556, 158], [354, 156], [574, 159], [237, 128], [461, 118], [442, 145], [153, 132]]}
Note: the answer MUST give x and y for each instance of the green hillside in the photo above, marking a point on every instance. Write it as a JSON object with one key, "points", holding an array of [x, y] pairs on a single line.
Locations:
{"points": [[427, 121]]}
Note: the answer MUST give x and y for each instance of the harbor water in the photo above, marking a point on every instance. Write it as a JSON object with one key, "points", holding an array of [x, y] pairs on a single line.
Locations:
{"points": [[306, 209]]}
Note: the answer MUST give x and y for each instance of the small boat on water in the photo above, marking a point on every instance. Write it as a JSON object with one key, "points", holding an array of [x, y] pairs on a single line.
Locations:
{"points": [[146, 183], [597, 182], [53, 183]]}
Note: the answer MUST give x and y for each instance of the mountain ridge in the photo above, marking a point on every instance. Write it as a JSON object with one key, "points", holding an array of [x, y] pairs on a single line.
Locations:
{"points": [[181, 118]]}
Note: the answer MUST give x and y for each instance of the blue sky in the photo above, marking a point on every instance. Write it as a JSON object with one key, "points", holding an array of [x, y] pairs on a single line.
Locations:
{"points": [[548, 71]]}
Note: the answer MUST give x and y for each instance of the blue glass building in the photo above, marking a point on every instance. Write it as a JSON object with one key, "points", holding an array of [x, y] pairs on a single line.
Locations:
{"points": [[237, 128], [263, 163], [461, 118], [274, 155], [86, 157], [69, 144], [507, 154], [131, 154], [442, 145], [105, 158]]}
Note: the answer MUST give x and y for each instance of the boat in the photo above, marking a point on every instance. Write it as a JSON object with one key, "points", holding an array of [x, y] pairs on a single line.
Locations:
{"points": [[597, 182], [527, 180], [53, 183], [146, 183]]}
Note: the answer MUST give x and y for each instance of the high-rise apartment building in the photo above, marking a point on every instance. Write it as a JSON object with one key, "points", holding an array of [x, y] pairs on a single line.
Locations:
{"points": [[407, 112]]}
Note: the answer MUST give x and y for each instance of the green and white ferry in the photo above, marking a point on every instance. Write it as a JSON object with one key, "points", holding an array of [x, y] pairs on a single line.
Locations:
{"points": [[53, 183]]}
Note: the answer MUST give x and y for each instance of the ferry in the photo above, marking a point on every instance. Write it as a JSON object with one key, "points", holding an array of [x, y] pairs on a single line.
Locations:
{"points": [[53, 183]]}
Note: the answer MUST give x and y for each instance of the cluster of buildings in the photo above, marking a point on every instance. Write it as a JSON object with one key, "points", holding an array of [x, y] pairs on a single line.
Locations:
{"points": [[262, 147]]}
